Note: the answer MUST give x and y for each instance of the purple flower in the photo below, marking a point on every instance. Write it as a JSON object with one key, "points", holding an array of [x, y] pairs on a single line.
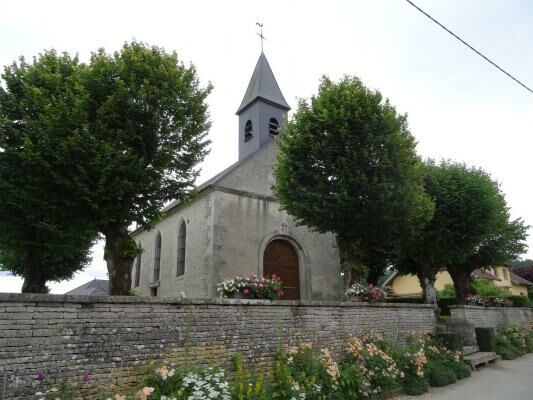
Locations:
{"points": [[86, 376], [40, 376]]}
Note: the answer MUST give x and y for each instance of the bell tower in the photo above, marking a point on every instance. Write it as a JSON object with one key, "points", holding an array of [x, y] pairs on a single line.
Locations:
{"points": [[263, 110]]}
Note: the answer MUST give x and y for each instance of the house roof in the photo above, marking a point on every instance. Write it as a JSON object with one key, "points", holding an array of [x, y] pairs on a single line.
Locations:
{"points": [[484, 275], [263, 86], [96, 287], [518, 280]]}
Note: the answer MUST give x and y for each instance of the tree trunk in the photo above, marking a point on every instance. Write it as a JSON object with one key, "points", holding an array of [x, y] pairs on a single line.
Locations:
{"points": [[350, 260], [461, 282], [119, 258], [34, 280], [427, 276]]}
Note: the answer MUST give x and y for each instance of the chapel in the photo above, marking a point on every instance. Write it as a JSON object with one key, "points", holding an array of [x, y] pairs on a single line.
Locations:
{"points": [[234, 226]]}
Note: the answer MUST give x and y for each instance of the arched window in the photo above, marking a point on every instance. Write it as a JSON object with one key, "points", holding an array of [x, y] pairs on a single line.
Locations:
{"points": [[273, 127], [157, 256], [137, 278], [182, 239], [248, 131]]}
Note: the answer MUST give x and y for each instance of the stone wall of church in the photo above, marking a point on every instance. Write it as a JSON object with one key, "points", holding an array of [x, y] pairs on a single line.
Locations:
{"points": [[198, 216], [244, 225], [113, 337]]}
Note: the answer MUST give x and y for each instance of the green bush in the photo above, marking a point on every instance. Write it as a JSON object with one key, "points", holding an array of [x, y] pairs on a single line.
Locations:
{"points": [[447, 293], [451, 341], [506, 351], [461, 370], [438, 374], [520, 301], [414, 385], [486, 339], [487, 288]]}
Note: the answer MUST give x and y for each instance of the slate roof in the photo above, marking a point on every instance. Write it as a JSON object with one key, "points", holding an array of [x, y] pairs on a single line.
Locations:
{"points": [[96, 287], [263, 86], [518, 280]]}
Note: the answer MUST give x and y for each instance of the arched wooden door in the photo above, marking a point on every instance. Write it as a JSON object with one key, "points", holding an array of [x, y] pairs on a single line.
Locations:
{"points": [[280, 258]]}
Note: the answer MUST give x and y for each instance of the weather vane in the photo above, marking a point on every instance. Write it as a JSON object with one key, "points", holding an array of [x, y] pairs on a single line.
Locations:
{"points": [[261, 34]]}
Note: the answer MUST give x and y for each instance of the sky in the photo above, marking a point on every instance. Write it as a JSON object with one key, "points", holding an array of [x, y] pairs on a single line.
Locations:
{"points": [[459, 107]]}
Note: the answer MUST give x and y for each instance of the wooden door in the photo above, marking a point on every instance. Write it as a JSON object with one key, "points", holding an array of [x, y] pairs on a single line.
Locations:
{"points": [[280, 259]]}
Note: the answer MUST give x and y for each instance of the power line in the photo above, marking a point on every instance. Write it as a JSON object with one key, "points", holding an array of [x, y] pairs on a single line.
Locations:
{"points": [[470, 47]]}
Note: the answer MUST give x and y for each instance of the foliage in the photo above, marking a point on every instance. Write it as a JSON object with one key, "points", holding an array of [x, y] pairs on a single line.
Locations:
{"points": [[252, 286], [369, 292], [520, 301], [347, 165], [45, 234], [247, 385], [314, 376], [148, 122], [447, 293], [486, 288], [379, 370], [415, 386], [519, 264], [514, 341], [470, 228]]}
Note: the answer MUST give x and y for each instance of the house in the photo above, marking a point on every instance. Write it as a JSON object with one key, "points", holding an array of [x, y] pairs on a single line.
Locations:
{"points": [[96, 287], [234, 225], [409, 285]]}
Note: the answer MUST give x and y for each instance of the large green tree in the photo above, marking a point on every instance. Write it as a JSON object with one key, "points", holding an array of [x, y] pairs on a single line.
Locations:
{"points": [[470, 228], [45, 233], [147, 132], [347, 164]]}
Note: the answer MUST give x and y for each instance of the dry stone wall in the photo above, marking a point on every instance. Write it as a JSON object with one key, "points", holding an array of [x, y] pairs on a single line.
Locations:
{"points": [[114, 338]]}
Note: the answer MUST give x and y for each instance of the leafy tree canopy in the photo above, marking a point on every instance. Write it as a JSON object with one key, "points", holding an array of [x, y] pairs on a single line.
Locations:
{"points": [[45, 234], [470, 227], [147, 132], [347, 165]]}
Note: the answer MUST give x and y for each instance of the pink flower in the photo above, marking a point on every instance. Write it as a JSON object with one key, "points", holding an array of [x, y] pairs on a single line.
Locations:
{"points": [[246, 291], [262, 280], [274, 276]]}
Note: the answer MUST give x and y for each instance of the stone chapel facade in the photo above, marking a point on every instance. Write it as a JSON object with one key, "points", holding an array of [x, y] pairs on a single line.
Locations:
{"points": [[234, 225]]}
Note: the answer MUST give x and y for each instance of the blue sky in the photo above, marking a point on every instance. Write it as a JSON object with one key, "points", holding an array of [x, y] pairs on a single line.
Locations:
{"points": [[459, 106]]}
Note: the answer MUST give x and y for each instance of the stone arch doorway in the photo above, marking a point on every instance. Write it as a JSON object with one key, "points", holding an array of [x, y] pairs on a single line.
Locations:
{"points": [[280, 259]]}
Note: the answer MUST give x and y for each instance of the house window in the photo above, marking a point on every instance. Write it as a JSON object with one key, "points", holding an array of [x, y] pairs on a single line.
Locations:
{"points": [[157, 256], [273, 127], [182, 236], [137, 268], [248, 131], [153, 292]]}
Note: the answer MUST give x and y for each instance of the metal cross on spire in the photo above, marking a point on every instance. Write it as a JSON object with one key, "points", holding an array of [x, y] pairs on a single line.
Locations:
{"points": [[261, 34]]}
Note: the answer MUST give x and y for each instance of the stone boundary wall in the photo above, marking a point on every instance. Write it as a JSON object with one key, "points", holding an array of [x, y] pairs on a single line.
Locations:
{"points": [[495, 317], [114, 337], [464, 319]]}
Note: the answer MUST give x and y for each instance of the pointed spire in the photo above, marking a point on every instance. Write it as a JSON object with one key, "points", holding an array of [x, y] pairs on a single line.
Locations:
{"points": [[263, 86]]}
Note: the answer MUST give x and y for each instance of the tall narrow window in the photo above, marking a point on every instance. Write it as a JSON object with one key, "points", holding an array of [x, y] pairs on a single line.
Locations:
{"points": [[137, 268], [182, 239], [273, 127], [248, 131], [157, 256]]}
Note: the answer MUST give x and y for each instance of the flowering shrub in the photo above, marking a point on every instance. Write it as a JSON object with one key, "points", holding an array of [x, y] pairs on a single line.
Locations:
{"points": [[378, 369], [365, 292], [252, 286], [315, 376], [477, 300]]}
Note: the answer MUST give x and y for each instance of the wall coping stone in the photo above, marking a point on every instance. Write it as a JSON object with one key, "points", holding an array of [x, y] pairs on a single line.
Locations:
{"points": [[61, 298], [471, 307]]}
